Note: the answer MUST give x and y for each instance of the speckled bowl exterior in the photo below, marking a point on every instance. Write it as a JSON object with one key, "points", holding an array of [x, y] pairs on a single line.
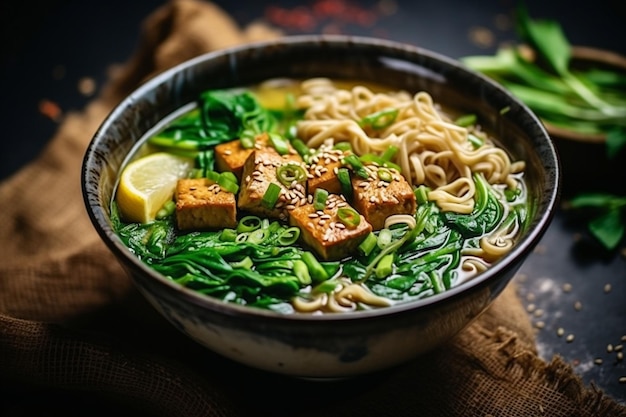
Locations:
{"points": [[322, 346]]}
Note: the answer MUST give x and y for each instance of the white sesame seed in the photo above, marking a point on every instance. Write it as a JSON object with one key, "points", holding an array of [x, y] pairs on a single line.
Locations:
{"points": [[607, 288], [609, 348], [560, 331], [569, 338], [598, 361]]}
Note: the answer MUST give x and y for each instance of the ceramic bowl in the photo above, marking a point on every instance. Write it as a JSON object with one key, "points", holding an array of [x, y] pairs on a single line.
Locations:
{"points": [[322, 346]]}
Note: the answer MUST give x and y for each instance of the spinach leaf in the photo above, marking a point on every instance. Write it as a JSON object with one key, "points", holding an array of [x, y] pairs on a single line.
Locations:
{"points": [[487, 213], [607, 223]]}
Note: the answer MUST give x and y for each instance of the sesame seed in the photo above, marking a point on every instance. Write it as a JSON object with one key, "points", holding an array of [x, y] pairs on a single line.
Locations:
{"points": [[607, 288], [618, 348], [322, 222], [619, 356], [560, 331], [569, 338], [622, 379], [538, 312], [609, 348], [325, 216], [567, 287], [290, 206], [340, 225], [540, 324], [578, 306], [598, 361], [228, 152], [312, 215]]}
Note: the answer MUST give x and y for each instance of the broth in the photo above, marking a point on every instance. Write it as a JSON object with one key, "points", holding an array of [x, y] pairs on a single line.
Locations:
{"points": [[320, 196]]}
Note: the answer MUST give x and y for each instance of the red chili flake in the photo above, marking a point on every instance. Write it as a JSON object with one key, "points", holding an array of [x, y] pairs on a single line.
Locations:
{"points": [[50, 109]]}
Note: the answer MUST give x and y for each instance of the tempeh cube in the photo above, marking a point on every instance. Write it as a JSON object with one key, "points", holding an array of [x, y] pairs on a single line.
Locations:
{"points": [[202, 204], [325, 233], [377, 199], [259, 171]]}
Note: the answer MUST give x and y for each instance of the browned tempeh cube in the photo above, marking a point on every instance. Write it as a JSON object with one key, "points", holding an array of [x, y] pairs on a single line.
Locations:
{"points": [[325, 233], [377, 199], [202, 204]]}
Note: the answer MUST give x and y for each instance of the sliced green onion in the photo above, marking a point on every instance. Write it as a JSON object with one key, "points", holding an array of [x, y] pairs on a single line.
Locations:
{"points": [[367, 246], [326, 286], [466, 120], [279, 143], [370, 157], [289, 236], [301, 147], [356, 165], [228, 235], [389, 153], [343, 175], [343, 146], [385, 175], [213, 175], [227, 184], [317, 271], [319, 199], [380, 119], [301, 271], [349, 216], [384, 268], [384, 238], [167, 209], [258, 236], [271, 196], [247, 140], [248, 224], [421, 194], [475, 141], [289, 172]]}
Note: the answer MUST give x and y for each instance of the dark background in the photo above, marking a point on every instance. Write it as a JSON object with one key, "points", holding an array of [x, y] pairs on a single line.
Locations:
{"points": [[49, 47]]}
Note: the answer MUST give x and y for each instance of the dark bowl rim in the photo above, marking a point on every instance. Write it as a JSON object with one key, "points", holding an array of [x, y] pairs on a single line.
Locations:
{"points": [[98, 216]]}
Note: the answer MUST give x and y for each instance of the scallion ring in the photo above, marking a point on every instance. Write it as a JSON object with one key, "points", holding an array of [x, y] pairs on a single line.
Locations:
{"points": [[248, 224], [319, 199], [385, 175], [289, 236], [349, 216], [290, 172]]}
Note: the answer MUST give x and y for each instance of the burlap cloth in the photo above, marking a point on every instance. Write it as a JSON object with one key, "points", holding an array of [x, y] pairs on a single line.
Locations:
{"points": [[71, 320]]}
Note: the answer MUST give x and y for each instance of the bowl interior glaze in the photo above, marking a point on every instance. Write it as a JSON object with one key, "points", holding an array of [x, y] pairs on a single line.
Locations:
{"points": [[340, 57]]}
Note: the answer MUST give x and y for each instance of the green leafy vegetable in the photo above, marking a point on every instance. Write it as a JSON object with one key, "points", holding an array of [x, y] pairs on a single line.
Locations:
{"points": [[487, 213], [607, 223], [587, 101]]}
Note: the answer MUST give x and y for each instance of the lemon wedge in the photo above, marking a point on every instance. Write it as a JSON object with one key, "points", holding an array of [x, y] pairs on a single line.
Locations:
{"points": [[149, 182]]}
